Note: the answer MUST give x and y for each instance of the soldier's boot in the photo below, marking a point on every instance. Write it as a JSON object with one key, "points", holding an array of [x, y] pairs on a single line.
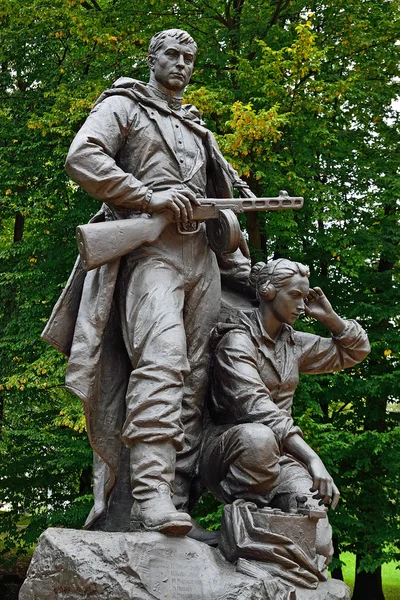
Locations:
{"points": [[152, 474]]}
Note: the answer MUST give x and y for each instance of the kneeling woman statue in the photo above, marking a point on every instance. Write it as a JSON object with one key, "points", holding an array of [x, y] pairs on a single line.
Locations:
{"points": [[253, 450]]}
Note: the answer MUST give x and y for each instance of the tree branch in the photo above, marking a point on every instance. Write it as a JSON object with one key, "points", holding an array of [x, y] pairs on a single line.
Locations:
{"points": [[97, 7], [216, 17], [281, 6], [91, 6]]}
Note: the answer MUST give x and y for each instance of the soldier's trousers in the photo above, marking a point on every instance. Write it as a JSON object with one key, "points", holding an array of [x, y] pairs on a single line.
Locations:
{"points": [[169, 300]]}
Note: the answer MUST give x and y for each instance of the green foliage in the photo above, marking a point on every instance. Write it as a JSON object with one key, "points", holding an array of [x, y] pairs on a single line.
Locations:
{"points": [[366, 469], [42, 461], [300, 96], [208, 512]]}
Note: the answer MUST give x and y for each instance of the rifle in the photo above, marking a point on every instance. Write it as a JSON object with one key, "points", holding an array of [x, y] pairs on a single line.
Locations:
{"points": [[101, 243]]}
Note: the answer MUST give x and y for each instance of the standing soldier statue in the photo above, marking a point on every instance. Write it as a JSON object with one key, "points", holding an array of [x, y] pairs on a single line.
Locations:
{"points": [[136, 329]]}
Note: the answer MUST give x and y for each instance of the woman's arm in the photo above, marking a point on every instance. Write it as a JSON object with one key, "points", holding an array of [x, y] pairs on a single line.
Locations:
{"points": [[323, 483], [348, 346]]}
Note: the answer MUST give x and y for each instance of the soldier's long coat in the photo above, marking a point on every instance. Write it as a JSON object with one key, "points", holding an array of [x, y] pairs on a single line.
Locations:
{"points": [[84, 323]]}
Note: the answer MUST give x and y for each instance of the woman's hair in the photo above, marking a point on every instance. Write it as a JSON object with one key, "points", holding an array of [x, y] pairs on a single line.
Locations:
{"points": [[266, 279]]}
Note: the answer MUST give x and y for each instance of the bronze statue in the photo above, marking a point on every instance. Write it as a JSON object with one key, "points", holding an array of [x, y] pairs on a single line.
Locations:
{"points": [[253, 450], [135, 321], [136, 330]]}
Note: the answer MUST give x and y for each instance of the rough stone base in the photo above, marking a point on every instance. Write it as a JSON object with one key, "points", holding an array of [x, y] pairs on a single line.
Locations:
{"points": [[83, 565]]}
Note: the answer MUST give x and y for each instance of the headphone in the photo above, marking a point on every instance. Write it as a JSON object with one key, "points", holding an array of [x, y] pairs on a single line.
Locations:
{"points": [[268, 290]]}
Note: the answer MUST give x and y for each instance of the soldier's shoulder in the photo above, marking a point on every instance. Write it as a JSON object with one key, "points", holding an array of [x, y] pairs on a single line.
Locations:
{"points": [[123, 89]]}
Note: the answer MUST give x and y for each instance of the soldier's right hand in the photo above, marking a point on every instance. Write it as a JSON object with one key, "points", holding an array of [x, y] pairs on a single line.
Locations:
{"points": [[179, 202]]}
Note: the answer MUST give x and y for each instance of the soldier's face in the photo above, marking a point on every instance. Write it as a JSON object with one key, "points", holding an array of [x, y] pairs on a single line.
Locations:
{"points": [[173, 64]]}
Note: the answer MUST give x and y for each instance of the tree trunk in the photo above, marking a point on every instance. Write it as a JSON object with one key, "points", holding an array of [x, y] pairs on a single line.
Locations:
{"points": [[255, 242], [368, 586], [337, 573], [18, 226], [1, 412], [85, 481]]}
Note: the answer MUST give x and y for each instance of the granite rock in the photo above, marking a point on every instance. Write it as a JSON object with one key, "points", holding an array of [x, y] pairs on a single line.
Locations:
{"points": [[82, 565]]}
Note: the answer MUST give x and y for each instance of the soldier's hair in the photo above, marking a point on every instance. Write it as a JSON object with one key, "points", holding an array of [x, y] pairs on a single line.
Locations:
{"points": [[266, 279], [179, 34]]}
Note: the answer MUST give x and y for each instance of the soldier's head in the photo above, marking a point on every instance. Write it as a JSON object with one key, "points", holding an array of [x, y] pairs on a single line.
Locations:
{"points": [[283, 285], [171, 58]]}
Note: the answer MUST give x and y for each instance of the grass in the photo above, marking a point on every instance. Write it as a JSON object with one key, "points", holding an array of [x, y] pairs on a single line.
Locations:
{"points": [[390, 576]]}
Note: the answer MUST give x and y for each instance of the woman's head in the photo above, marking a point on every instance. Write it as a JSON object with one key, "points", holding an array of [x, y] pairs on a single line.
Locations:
{"points": [[281, 286], [266, 279]]}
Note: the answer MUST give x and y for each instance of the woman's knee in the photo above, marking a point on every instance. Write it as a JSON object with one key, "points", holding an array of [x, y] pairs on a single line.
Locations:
{"points": [[258, 439]]}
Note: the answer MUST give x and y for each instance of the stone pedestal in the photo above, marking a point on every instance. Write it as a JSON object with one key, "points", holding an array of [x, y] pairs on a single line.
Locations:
{"points": [[85, 565]]}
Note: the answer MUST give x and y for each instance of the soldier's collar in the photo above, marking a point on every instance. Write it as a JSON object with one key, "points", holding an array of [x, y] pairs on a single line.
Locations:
{"points": [[143, 92], [173, 102]]}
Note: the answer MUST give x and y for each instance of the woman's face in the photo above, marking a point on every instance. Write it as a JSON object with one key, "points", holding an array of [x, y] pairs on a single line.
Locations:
{"points": [[289, 300]]}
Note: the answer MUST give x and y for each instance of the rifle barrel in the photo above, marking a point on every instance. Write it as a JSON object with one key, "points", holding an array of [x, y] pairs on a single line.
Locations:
{"points": [[279, 203], [209, 207]]}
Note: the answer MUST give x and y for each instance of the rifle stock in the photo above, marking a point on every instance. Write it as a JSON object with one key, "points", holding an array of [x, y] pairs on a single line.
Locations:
{"points": [[101, 243]]}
